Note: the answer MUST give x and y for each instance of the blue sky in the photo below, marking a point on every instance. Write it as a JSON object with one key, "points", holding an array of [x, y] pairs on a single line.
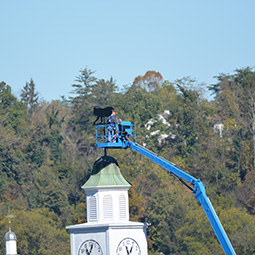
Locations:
{"points": [[50, 41]]}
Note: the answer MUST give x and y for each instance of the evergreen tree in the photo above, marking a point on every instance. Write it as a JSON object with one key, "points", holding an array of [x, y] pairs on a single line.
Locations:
{"points": [[30, 97], [10, 106]]}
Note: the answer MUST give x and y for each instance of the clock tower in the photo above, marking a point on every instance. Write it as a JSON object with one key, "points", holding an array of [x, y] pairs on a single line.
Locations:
{"points": [[108, 230]]}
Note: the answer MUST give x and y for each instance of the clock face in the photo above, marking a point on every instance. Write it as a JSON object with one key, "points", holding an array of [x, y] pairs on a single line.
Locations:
{"points": [[128, 246], [90, 247]]}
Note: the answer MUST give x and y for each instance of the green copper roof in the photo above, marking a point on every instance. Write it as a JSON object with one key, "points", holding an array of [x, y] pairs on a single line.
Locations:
{"points": [[105, 172]]}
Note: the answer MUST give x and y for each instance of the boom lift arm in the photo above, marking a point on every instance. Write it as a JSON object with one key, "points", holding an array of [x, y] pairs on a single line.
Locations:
{"points": [[198, 188]]}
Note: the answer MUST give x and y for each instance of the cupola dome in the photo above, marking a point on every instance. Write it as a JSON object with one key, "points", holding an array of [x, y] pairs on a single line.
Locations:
{"points": [[10, 236], [106, 192], [105, 172]]}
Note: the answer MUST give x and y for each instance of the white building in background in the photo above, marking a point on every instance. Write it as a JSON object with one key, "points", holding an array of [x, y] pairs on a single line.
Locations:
{"points": [[160, 117], [10, 239], [108, 230], [161, 137], [10, 243], [218, 128]]}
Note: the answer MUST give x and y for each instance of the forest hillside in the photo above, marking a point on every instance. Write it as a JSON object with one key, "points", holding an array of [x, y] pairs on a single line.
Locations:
{"points": [[47, 151]]}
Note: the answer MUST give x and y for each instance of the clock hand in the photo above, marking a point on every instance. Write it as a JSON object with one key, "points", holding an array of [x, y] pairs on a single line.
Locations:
{"points": [[131, 249], [127, 250], [91, 247]]}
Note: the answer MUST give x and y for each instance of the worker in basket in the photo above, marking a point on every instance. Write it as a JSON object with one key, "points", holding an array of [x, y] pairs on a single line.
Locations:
{"points": [[112, 122]]}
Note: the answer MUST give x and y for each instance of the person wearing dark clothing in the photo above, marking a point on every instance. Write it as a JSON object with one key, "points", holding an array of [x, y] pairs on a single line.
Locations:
{"points": [[112, 118], [112, 132]]}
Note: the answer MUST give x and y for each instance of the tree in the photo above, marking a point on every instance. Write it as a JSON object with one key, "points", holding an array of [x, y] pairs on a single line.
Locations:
{"points": [[10, 106], [55, 122], [29, 96], [235, 94], [189, 117], [197, 236], [38, 232], [138, 105], [85, 82], [245, 78], [166, 213], [151, 81], [168, 95], [103, 92], [90, 92], [7, 100], [83, 103]]}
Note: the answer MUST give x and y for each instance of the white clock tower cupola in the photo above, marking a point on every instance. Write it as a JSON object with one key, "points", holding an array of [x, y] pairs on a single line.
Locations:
{"points": [[108, 230]]}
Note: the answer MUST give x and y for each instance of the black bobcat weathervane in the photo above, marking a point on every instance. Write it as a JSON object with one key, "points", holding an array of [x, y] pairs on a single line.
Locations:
{"points": [[102, 113]]}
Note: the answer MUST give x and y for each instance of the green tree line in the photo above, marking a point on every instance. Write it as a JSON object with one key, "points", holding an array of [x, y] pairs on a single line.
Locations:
{"points": [[47, 151]]}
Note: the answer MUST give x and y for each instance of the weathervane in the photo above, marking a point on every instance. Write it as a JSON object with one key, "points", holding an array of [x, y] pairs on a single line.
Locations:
{"points": [[9, 216]]}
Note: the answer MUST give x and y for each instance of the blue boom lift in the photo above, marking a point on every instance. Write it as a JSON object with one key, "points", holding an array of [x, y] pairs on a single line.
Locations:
{"points": [[123, 132]]}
